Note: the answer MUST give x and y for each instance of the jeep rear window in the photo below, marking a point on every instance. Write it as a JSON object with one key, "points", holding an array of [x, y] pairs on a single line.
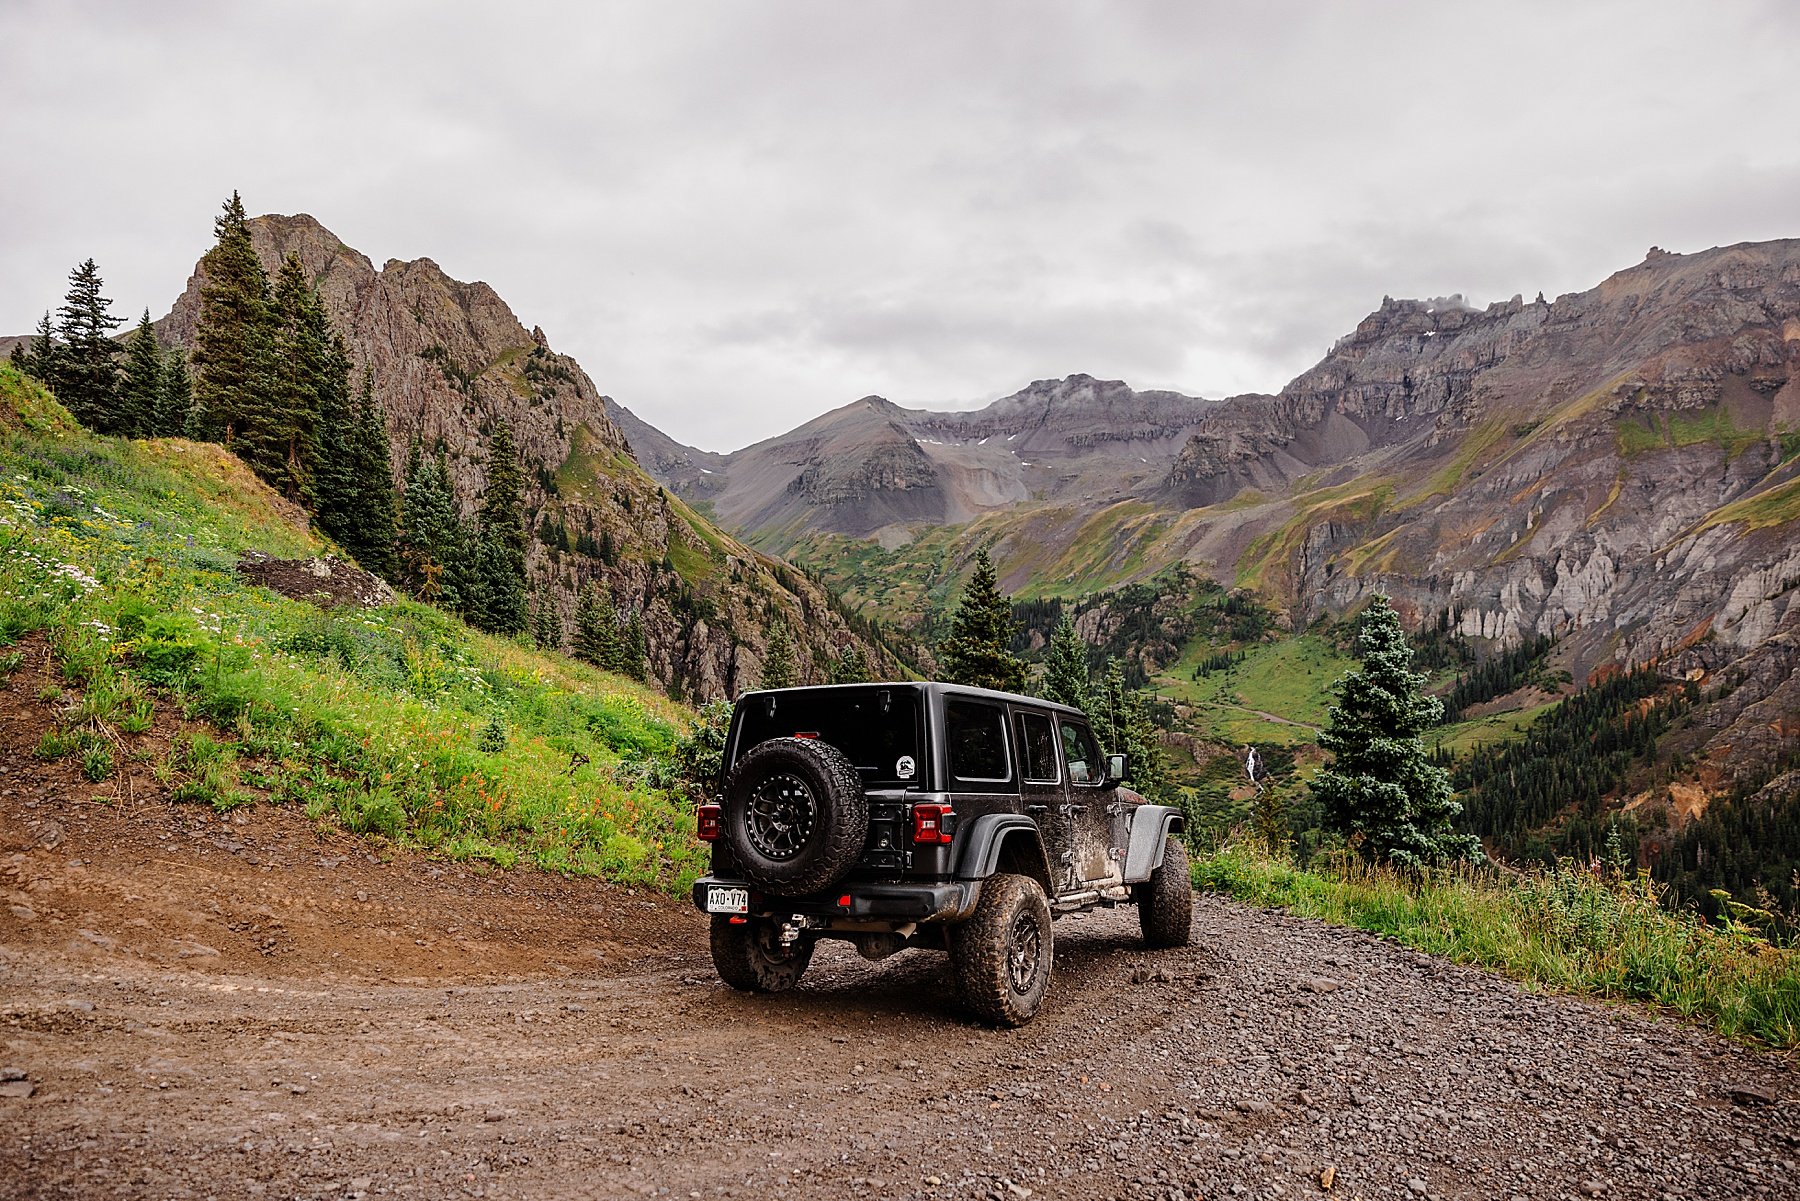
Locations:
{"points": [[876, 728], [975, 737], [1037, 750]]}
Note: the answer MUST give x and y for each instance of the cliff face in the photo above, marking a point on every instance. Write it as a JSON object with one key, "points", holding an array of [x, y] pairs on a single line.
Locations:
{"points": [[875, 468], [449, 359], [1620, 468]]}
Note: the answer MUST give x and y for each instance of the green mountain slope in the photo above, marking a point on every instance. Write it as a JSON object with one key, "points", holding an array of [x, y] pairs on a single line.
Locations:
{"points": [[117, 559]]}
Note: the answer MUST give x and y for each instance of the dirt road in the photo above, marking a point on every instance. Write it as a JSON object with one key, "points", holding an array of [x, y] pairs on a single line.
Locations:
{"points": [[246, 1007]]}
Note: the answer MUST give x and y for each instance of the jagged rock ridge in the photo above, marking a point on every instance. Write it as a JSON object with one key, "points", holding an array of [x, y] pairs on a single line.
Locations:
{"points": [[449, 359], [874, 467]]}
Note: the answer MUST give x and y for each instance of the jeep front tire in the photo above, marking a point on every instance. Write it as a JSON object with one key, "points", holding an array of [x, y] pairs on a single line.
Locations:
{"points": [[1002, 955], [751, 957], [1166, 900]]}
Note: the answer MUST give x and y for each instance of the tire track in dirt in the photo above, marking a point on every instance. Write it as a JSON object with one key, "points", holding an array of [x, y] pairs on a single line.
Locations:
{"points": [[423, 1029]]}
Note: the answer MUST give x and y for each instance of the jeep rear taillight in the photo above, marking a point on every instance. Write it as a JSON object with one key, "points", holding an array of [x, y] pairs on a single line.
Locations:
{"points": [[932, 824], [706, 823]]}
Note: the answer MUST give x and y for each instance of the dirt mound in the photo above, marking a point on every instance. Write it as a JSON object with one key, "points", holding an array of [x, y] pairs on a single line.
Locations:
{"points": [[328, 581]]}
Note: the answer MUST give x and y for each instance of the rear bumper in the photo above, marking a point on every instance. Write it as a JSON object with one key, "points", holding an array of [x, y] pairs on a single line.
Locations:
{"points": [[951, 900]]}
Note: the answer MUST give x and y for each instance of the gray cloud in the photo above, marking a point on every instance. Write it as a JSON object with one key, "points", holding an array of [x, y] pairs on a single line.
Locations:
{"points": [[737, 216]]}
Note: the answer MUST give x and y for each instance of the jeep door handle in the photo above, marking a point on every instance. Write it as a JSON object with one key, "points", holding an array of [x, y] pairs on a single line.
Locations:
{"points": [[1037, 808], [1073, 808]]}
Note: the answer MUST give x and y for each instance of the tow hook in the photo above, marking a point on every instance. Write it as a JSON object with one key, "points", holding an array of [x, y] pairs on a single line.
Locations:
{"points": [[790, 929]]}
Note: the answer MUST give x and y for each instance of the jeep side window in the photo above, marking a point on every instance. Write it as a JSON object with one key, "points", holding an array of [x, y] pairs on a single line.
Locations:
{"points": [[1037, 750], [1079, 751], [975, 736]]}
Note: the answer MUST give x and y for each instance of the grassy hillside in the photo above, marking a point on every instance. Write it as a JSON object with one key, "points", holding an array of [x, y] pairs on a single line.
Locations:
{"points": [[396, 721]]}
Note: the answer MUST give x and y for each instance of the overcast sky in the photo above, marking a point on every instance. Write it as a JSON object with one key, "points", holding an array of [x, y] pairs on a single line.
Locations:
{"points": [[737, 215]]}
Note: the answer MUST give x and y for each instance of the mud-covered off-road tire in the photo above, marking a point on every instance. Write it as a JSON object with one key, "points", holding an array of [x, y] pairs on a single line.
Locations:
{"points": [[751, 957], [794, 817], [1002, 955], [1166, 900]]}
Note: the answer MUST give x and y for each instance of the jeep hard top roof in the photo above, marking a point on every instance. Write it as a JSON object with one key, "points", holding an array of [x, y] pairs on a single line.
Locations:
{"points": [[922, 688]]}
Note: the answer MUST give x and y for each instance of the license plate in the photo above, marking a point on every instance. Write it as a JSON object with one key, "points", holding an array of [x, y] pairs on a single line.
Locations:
{"points": [[727, 900]]}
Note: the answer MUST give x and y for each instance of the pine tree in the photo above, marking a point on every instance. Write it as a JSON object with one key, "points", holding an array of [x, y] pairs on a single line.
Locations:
{"points": [[141, 387], [546, 622], [308, 391], [369, 504], [634, 649], [333, 477], [232, 343], [36, 356], [979, 649], [175, 401], [597, 627], [1066, 666], [85, 369], [1380, 790], [778, 668], [851, 666], [436, 567], [503, 534]]}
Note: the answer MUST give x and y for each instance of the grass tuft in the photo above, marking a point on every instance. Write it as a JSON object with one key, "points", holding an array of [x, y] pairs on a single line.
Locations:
{"points": [[1570, 929]]}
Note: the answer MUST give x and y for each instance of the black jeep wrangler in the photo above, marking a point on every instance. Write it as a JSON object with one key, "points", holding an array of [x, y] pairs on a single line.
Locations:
{"points": [[926, 815]]}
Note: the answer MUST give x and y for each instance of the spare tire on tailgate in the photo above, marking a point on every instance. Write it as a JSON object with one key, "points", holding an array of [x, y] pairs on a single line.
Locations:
{"points": [[794, 816]]}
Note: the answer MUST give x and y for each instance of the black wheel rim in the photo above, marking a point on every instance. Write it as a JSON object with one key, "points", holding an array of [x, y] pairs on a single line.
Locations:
{"points": [[1024, 951], [781, 816]]}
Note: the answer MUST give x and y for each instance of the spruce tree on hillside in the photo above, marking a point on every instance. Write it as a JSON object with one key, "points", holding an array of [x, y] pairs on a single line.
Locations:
{"points": [[141, 385], [308, 390], [597, 634], [502, 532], [546, 622], [634, 649], [36, 357], [979, 649], [1380, 790], [433, 543], [175, 402], [778, 668], [1066, 666], [85, 368], [369, 505], [851, 666], [232, 343]]}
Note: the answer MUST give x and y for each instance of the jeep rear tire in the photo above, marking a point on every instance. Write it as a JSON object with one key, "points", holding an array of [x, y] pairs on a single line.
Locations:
{"points": [[751, 957], [1002, 955], [795, 817], [1166, 900]]}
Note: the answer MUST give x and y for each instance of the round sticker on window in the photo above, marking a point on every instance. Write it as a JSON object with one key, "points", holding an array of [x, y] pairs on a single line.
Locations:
{"points": [[903, 770]]}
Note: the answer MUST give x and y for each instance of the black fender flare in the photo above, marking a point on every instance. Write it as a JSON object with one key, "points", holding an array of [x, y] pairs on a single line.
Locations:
{"points": [[1151, 826], [992, 835]]}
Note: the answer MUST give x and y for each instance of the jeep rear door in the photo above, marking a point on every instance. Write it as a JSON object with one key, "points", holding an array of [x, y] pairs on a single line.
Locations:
{"points": [[1089, 804], [1046, 798]]}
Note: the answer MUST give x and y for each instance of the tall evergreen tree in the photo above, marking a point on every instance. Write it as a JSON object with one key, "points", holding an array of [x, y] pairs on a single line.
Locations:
{"points": [[233, 341], [1066, 666], [634, 648], [778, 668], [175, 402], [36, 356], [141, 386], [597, 631], [437, 566], [851, 666], [979, 649], [307, 388], [369, 503], [85, 368], [546, 622], [1380, 789], [503, 534]]}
